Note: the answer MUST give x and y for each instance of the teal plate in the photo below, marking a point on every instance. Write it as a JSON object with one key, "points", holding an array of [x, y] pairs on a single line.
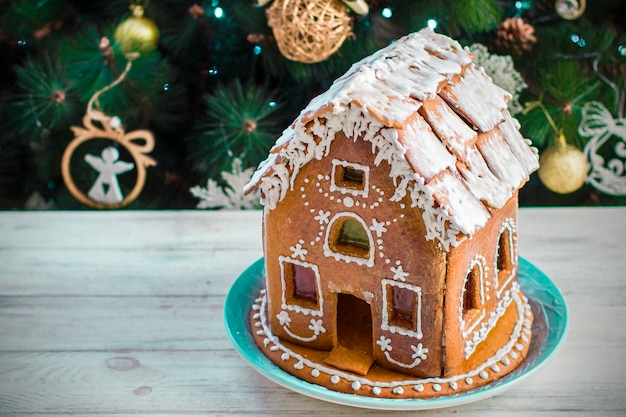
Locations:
{"points": [[549, 330]]}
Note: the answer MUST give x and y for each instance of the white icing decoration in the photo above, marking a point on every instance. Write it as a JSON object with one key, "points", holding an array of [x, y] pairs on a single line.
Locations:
{"points": [[417, 384], [356, 385], [386, 326], [384, 343], [298, 251], [299, 365], [453, 385], [315, 326], [392, 83], [436, 387], [348, 202], [399, 274], [315, 373], [398, 390], [378, 228], [483, 374]]}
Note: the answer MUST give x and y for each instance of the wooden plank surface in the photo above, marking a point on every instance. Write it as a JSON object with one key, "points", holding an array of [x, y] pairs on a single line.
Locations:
{"points": [[120, 313]]}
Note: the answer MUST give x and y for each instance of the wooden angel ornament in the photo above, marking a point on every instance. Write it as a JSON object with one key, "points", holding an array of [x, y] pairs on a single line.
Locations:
{"points": [[105, 192]]}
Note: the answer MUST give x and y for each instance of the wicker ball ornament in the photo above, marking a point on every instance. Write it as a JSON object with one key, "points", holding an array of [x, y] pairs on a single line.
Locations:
{"points": [[309, 31]]}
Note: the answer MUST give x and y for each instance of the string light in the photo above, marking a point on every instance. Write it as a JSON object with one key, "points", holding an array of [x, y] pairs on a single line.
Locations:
{"points": [[621, 50], [578, 40], [218, 12], [386, 12], [432, 24], [257, 50]]}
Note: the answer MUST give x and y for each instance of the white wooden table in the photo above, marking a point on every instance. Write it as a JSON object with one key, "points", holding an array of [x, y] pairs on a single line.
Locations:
{"points": [[120, 313]]}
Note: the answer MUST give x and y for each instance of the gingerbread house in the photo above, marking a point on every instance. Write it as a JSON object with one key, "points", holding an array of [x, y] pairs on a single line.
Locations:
{"points": [[390, 221]]}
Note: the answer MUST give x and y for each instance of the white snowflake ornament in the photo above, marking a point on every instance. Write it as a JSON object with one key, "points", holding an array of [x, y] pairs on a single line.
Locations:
{"points": [[230, 197]]}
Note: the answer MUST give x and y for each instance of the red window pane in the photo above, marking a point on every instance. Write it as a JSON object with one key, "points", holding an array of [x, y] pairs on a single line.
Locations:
{"points": [[304, 283], [403, 307]]}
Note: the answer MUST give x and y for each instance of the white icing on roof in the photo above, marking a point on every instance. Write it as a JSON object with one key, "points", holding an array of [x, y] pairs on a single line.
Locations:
{"points": [[433, 116]]}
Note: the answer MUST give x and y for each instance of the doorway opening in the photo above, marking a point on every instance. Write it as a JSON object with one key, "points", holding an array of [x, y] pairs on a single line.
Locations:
{"points": [[354, 351]]}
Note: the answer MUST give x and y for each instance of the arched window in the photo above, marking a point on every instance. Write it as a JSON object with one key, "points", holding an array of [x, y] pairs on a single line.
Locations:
{"points": [[352, 239], [505, 257], [472, 300], [348, 238]]}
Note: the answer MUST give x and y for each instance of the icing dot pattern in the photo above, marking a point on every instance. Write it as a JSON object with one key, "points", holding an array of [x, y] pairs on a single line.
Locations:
{"points": [[497, 365]]}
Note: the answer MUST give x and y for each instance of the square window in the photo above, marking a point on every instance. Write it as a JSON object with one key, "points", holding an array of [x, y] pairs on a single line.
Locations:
{"points": [[301, 286], [350, 178], [403, 306]]}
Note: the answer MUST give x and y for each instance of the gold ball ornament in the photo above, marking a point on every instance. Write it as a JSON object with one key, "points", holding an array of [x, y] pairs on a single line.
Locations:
{"points": [[137, 33], [563, 167], [309, 31]]}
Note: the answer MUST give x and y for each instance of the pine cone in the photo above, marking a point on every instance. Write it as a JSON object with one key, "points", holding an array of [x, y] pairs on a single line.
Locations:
{"points": [[515, 35]]}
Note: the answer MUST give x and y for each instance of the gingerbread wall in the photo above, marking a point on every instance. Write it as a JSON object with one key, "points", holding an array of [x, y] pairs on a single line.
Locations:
{"points": [[400, 259], [464, 338]]}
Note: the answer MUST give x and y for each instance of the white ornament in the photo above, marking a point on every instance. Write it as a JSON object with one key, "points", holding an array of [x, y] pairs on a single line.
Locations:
{"points": [[599, 125], [231, 196], [106, 189], [502, 71]]}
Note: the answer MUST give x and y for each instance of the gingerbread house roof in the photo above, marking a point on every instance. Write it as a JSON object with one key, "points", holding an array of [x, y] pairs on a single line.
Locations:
{"points": [[434, 116]]}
